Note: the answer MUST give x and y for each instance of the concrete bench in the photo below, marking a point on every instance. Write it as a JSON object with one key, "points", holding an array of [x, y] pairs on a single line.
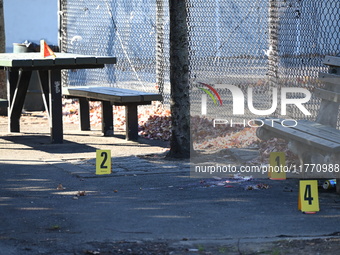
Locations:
{"points": [[109, 96], [315, 142]]}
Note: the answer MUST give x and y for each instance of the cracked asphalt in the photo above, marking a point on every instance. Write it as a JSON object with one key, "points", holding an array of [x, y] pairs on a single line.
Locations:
{"points": [[52, 202]]}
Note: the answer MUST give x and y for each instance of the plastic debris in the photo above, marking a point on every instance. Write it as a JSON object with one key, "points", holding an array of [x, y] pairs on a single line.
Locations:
{"points": [[329, 184], [242, 178], [193, 250], [76, 38], [257, 186]]}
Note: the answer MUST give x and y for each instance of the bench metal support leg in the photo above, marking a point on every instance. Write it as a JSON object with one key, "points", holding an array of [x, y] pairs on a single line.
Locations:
{"points": [[131, 114], [84, 114], [107, 118]]}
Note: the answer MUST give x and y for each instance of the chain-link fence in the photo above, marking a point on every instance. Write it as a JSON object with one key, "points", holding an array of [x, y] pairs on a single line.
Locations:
{"points": [[307, 31], [125, 29], [227, 44], [244, 43], [262, 45]]}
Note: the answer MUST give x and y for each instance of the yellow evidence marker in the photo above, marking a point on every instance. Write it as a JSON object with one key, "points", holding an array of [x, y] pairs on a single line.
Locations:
{"points": [[103, 162], [277, 162], [308, 200]]}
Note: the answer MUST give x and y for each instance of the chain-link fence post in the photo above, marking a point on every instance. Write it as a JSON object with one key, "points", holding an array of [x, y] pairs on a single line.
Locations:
{"points": [[160, 63], [272, 51]]}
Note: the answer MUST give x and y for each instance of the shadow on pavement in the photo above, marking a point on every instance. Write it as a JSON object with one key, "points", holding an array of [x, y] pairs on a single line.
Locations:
{"points": [[43, 143]]}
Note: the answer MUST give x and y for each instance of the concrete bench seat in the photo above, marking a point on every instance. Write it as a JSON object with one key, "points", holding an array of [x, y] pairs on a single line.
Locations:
{"points": [[3, 103], [109, 96], [315, 142]]}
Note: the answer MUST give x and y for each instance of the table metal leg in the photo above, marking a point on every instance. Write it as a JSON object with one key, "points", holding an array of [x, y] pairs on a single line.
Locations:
{"points": [[12, 80], [107, 118], [84, 114], [44, 86], [17, 83], [131, 114], [55, 106]]}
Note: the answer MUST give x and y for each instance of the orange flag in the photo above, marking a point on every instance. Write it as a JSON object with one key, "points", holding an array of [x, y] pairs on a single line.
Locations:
{"points": [[45, 50]]}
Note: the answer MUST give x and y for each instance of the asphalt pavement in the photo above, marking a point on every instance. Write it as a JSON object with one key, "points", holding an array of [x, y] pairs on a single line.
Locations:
{"points": [[52, 200]]}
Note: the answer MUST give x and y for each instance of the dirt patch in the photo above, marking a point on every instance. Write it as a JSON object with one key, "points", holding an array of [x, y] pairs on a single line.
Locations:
{"points": [[312, 246], [287, 247]]}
